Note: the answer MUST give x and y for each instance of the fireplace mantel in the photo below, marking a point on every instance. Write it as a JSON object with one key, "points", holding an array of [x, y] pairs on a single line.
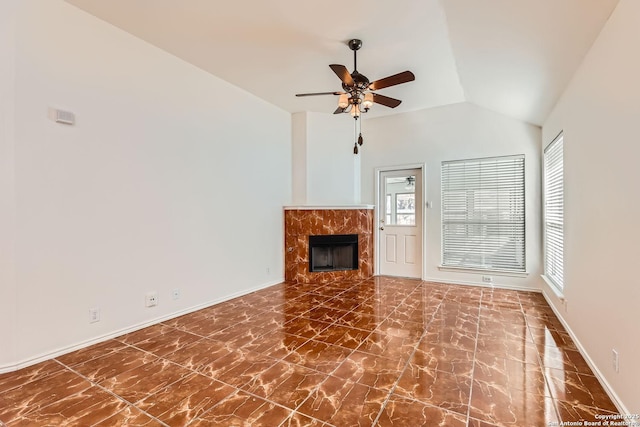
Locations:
{"points": [[326, 207]]}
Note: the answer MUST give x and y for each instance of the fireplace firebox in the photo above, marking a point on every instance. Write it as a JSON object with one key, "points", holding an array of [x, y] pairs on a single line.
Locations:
{"points": [[333, 252]]}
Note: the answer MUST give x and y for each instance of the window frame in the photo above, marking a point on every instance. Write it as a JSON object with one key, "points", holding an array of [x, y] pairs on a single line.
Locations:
{"points": [[555, 281]]}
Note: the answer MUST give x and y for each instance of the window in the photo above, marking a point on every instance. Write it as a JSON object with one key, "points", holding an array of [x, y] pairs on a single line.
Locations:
{"points": [[483, 221], [388, 210], [406, 209], [554, 212], [400, 200]]}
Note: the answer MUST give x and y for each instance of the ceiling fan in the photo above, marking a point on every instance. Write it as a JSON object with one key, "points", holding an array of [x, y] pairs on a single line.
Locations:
{"points": [[359, 93]]}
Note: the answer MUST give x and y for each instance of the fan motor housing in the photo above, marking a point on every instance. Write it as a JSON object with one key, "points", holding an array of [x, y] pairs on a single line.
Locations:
{"points": [[360, 82]]}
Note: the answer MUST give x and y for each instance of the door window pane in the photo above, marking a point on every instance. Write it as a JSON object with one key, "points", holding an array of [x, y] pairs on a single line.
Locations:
{"points": [[388, 210], [400, 208], [406, 209]]}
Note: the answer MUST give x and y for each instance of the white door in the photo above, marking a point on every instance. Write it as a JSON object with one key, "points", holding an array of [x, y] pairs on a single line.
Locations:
{"points": [[400, 223]]}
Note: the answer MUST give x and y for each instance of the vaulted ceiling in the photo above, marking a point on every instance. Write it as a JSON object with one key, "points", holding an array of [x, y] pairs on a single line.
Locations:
{"points": [[511, 56]]}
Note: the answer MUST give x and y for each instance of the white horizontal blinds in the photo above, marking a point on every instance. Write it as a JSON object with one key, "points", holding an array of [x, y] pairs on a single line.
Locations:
{"points": [[483, 224], [554, 212]]}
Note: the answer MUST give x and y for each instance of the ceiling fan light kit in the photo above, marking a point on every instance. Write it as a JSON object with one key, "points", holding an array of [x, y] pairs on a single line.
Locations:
{"points": [[359, 94]]}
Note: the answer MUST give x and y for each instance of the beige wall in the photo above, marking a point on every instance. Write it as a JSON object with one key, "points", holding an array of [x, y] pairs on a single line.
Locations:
{"points": [[325, 171], [599, 114], [458, 131], [7, 181], [159, 185]]}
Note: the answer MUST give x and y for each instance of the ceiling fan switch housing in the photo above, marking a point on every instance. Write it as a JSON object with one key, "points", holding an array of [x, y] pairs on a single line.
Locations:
{"points": [[355, 44]]}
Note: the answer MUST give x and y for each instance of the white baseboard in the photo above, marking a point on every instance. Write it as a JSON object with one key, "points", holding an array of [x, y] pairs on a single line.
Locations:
{"points": [[64, 350], [622, 409], [483, 285], [598, 374]]}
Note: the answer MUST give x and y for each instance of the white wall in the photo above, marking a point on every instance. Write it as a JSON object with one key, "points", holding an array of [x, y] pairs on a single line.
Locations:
{"points": [[599, 115], [164, 182], [299, 158], [325, 170], [7, 185], [458, 131]]}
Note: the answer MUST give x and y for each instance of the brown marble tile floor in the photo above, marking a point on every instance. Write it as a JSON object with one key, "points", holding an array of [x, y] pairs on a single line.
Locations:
{"points": [[379, 352]]}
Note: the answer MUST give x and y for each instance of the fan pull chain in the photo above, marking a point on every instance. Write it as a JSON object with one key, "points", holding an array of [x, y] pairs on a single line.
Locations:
{"points": [[355, 133]]}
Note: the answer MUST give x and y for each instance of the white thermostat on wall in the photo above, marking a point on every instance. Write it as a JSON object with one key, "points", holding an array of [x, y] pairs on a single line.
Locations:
{"points": [[65, 117]]}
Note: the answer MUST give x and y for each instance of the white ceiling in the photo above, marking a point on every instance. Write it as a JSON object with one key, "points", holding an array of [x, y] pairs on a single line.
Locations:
{"points": [[512, 56]]}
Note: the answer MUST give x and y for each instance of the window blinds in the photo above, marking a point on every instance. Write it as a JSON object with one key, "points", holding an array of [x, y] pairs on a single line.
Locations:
{"points": [[483, 221], [554, 212]]}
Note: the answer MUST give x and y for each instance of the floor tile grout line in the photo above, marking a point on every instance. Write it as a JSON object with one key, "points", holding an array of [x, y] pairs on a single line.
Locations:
{"points": [[185, 329], [92, 384], [392, 389], [117, 396], [407, 363], [475, 353], [282, 360], [327, 375], [237, 389], [246, 391], [342, 362], [391, 308], [540, 365], [439, 306], [192, 371]]}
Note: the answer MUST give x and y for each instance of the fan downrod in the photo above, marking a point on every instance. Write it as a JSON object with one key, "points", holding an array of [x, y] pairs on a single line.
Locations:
{"points": [[361, 82]]}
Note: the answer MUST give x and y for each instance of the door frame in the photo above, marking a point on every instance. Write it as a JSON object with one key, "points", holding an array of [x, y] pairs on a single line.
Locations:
{"points": [[379, 215]]}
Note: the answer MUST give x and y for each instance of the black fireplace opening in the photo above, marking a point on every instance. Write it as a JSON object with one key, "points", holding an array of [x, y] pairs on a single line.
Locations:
{"points": [[333, 252]]}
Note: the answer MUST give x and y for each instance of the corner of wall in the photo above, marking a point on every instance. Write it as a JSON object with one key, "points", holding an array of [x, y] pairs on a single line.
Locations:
{"points": [[299, 158], [7, 181]]}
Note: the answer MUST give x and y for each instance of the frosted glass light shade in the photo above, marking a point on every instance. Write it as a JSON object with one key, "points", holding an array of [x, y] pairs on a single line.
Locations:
{"points": [[343, 101], [368, 100]]}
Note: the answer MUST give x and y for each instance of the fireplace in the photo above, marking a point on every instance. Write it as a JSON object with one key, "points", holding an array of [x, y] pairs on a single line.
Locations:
{"points": [[302, 224], [334, 252]]}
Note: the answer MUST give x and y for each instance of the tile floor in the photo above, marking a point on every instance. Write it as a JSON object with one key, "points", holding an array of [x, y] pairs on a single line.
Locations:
{"points": [[383, 352]]}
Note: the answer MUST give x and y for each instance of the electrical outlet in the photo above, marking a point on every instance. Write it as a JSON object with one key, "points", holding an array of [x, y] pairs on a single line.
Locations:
{"points": [[151, 299], [94, 315], [487, 279], [175, 294], [616, 360]]}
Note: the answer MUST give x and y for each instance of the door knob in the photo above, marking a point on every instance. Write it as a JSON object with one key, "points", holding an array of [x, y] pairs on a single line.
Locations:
{"points": [[381, 228]]}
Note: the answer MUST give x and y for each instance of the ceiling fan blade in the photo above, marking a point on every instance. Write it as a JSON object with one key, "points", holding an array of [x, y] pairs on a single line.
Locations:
{"points": [[386, 101], [342, 73], [319, 93], [339, 110], [396, 79]]}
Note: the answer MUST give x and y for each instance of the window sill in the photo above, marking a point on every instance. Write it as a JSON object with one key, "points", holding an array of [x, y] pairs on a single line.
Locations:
{"points": [[557, 292], [483, 271]]}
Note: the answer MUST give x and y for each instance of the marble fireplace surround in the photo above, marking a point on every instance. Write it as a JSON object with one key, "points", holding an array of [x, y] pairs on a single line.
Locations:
{"points": [[302, 221]]}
